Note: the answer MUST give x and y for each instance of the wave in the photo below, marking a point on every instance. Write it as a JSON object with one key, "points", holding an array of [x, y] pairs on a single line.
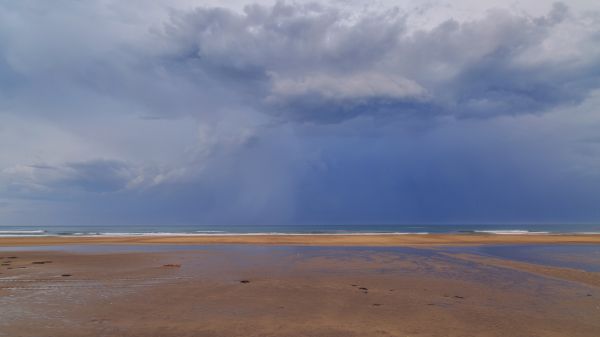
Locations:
{"points": [[223, 233], [95, 233], [23, 232], [510, 232], [11, 233]]}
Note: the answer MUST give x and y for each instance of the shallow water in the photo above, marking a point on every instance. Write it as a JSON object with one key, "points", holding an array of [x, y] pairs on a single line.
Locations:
{"points": [[584, 257]]}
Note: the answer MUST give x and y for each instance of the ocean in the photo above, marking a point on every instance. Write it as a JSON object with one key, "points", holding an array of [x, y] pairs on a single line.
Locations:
{"points": [[399, 229]]}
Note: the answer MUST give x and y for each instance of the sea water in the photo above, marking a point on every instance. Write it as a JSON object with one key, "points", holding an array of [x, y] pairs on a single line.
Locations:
{"points": [[399, 229]]}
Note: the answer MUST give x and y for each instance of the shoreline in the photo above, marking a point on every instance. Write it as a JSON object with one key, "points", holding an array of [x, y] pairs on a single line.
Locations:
{"points": [[310, 239]]}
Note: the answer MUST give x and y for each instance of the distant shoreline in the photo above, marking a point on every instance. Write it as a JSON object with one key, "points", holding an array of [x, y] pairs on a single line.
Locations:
{"points": [[310, 239]]}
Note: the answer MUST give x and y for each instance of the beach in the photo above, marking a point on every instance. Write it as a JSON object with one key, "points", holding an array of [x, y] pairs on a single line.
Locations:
{"points": [[301, 168], [191, 286], [309, 239]]}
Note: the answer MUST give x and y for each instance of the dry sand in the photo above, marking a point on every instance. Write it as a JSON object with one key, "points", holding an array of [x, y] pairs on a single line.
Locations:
{"points": [[291, 291], [315, 240]]}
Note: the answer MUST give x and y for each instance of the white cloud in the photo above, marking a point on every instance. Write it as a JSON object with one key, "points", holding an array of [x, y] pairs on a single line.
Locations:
{"points": [[353, 86]]}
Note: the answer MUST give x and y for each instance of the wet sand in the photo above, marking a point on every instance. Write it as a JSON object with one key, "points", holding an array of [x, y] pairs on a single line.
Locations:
{"points": [[291, 291], [314, 240]]}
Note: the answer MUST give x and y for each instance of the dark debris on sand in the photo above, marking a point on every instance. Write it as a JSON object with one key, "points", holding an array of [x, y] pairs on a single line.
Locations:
{"points": [[172, 265]]}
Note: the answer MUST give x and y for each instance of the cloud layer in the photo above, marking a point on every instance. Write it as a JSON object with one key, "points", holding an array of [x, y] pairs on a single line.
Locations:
{"points": [[297, 113]]}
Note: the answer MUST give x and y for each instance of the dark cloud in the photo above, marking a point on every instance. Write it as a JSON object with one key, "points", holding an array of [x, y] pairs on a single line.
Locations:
{"points": [[97, 176], [296, 113], [298, 62], [317, 64], [94, 176]]}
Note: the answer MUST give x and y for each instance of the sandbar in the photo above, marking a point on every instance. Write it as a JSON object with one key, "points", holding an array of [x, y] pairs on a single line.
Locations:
{"points": [[311, 239]]}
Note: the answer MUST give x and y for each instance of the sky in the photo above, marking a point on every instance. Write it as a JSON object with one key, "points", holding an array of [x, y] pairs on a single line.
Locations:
{"points": [[265, 112]]}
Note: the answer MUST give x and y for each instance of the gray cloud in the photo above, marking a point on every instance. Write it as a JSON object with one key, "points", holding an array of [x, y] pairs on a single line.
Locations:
{"points": [[299, 62], [296, 112], [318, 64], [96, 176]]}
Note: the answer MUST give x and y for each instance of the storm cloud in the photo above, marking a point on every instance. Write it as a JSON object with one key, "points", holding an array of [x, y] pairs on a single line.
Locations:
{"points": [[298, 112]]}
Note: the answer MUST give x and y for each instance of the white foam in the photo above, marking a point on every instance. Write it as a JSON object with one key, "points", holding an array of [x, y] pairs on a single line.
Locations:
{"points": [[510, 232], [17, 232], [22, 233], [144, 234], [221, 233]]}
